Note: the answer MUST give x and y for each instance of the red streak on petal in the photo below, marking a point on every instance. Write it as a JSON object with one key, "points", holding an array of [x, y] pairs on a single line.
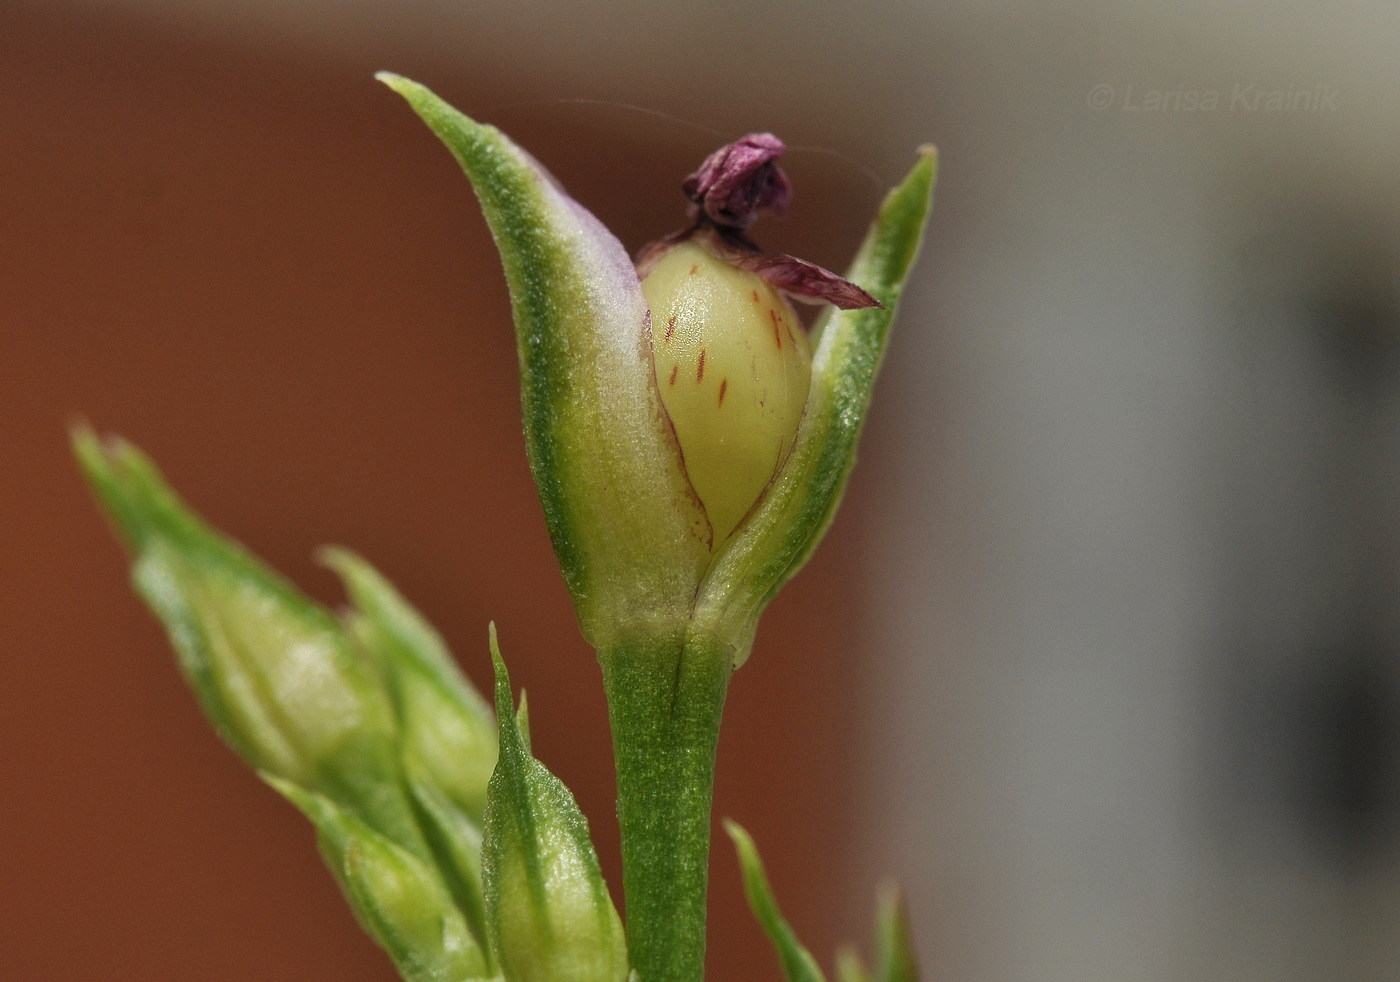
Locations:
{"points": [[723, 386], [755, 297], [674, 369], [700, 367], [694, 269], [777, 334], [670, 327]]}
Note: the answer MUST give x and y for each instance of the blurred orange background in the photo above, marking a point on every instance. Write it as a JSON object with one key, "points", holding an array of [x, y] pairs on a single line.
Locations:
{"points": [[1102, 655], [261, 268]]}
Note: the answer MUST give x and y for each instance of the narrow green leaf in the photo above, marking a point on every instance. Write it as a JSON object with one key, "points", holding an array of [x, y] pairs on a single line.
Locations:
{"points": [[272, 670], [894, 948], [447, 731], [629, 535], [549, 913], [399, 900], [849, 967], [798, 964], [848, 346]]}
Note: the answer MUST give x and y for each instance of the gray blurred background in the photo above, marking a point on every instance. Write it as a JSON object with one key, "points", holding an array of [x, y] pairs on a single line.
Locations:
{"points": [[1123, 553]]}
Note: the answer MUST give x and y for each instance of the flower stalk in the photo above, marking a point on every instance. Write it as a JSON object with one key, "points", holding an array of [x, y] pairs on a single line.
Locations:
{"points": [[665, 700]]}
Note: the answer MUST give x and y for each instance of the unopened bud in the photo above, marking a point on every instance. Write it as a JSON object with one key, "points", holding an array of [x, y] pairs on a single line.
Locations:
{"points": [[446, 729], [550, 915], [273, 671], [400, 900]]}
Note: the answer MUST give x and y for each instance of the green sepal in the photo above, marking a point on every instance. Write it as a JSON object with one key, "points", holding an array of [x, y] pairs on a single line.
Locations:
{"points": [[847, 348], [522, 722], [399, 900], [447, 731], [272, 670], [455, 842], [894, 948], [549, 913], [798, 964], [630, 535]]}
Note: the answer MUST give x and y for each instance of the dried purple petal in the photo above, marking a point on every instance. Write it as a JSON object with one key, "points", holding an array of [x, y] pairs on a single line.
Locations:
{"points": [[739, 182], [806, 281], [735, 185]]}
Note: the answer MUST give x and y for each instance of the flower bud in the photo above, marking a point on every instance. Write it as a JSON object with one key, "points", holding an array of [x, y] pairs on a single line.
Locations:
{"points": [[400, 900], [550, 915], [446, 730], [733, 368], [273, 671], [687, 464]]}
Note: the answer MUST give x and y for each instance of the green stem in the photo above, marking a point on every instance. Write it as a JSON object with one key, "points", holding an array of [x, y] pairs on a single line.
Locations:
{"points": [[665, 698]]}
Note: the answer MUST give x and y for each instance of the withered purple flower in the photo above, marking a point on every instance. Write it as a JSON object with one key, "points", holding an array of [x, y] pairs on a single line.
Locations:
{"points": [[737, 184]]}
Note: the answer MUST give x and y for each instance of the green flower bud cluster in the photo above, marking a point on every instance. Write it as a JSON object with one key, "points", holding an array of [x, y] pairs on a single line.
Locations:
{"points": [[366, 725]]}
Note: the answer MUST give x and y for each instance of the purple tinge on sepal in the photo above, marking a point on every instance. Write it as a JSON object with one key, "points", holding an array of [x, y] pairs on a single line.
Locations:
{"points": [[806, 281], [739, 182]]}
